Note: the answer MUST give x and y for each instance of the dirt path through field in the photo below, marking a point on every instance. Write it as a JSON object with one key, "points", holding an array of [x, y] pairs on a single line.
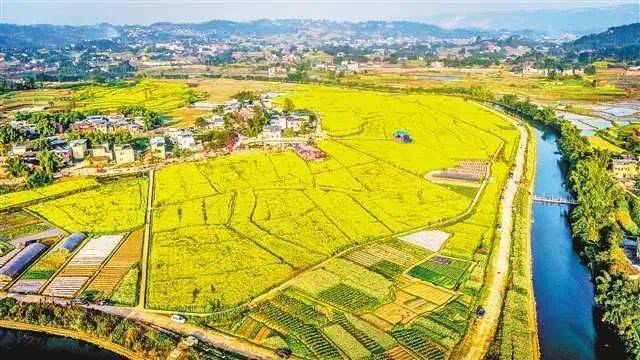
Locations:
{"points": [[483, 331], [145, 244]]}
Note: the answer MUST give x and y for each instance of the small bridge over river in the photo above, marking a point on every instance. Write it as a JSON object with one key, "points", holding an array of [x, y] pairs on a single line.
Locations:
{"points": [[554, 200]]}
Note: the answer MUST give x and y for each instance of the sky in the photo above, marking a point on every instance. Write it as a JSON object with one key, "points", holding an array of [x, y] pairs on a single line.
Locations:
{"points": [[86, 12]]}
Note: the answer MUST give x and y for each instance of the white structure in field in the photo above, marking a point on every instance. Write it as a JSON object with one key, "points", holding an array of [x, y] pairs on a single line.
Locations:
{"points": [[428, 239]]}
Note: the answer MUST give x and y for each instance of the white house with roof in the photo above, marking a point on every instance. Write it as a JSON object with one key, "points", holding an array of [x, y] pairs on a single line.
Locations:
{"points": [[78, 149], [271, 132], [124, 153], [158, 148]]}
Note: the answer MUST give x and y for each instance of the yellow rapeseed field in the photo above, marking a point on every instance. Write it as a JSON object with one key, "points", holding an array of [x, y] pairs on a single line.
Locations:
{"points": [[285, 214]]}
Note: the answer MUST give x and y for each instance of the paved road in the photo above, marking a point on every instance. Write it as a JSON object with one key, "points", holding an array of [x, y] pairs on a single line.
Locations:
{"points": [[482, 334]]}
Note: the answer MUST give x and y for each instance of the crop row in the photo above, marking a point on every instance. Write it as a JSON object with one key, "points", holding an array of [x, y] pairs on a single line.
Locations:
{"points": [[290, 324]]}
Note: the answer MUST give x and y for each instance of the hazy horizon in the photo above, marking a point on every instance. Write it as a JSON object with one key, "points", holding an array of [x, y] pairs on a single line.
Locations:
{"points": [[143, 12]]}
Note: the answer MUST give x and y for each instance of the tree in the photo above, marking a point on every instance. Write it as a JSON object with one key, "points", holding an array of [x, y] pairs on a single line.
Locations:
{"points": [[200, 122], [9, 134], [38, 178], [45, 127], [590, 70], [15, 167], [49, 161], [288, 106]]}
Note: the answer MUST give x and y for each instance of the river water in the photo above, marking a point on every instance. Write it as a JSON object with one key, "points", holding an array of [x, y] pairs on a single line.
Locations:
{"points": [[22, 345], [562, 283]]}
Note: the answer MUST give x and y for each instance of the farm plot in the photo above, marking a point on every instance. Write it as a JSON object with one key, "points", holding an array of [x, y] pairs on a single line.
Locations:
{"points": [[197, 268], [155, 95], [389, 258], [82, 266], [440, 270], [246, 222], [115, 207], [429, 239], [18, 198], [20, 224], [122, 261], [345, 285], [45, 267]]}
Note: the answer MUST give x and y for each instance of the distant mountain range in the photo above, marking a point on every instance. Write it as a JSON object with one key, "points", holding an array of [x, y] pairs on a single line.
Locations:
{"points": [[21, 36], [552, 22], [615, 37]]}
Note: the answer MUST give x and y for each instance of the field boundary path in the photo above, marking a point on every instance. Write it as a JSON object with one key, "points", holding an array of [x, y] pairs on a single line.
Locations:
{"points": [[483, 331], [145, 244]]}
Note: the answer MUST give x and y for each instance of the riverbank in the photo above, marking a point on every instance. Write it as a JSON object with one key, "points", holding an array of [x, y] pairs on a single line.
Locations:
{"points": [[518, 319], [77, 335]]}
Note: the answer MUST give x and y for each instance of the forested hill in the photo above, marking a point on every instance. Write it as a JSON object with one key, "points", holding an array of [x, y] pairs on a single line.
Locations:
{"points": [[615, 37]]}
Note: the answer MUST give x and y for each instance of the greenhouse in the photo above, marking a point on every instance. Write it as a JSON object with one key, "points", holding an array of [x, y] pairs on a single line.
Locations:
{"points": [[71, 242], [19, 263]]}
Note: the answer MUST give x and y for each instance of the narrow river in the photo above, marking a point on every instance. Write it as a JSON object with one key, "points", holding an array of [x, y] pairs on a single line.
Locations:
{"points": [[20, 345], [563, 288]]}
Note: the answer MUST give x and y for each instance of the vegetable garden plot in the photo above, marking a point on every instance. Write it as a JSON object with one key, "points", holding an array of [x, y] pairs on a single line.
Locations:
{"points": [[82, 266], [442, 271], [125, 257]]}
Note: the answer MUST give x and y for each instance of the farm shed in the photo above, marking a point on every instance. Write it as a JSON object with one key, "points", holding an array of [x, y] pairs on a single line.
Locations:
{"points": [[402, 136], [71, 242], [20, 262]]}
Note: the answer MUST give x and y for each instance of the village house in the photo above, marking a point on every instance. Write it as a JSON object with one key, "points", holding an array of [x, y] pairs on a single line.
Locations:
{"points": [[102, 152], [216, 122], [184, 140], [124, 153], [78, 149], [158, 148], [18, 150], [271, 132], [625, 168]]}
